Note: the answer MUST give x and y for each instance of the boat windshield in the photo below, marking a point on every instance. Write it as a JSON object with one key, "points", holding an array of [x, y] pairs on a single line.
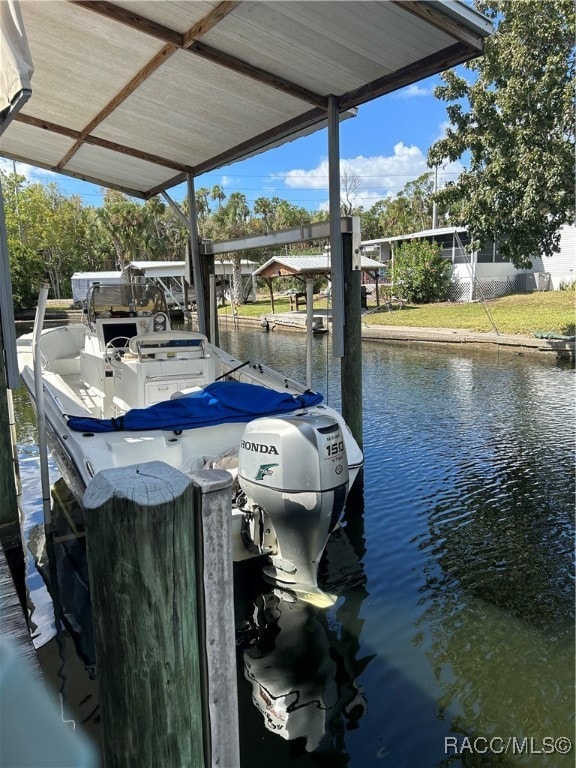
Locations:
{"points": [[124, 300]]}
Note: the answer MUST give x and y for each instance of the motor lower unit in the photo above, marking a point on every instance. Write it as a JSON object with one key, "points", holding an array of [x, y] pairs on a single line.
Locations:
{"points": [[293, 471]]}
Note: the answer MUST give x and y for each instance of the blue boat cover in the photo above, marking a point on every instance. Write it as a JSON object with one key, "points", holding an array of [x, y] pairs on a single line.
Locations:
{"points": [[218, 403]]}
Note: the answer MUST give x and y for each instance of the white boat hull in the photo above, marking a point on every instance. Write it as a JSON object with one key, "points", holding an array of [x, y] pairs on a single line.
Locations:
{"points": [[86, 376]]}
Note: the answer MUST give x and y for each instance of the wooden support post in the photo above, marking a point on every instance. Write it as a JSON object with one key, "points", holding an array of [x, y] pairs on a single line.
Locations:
{"points": [[212, 502], [271, 289], [161, 580], [141, 557], [9, 506], [351, 364], [207, 271]]}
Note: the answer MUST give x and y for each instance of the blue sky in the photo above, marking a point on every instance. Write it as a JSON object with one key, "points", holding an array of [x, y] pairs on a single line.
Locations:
{"points": [[385, 147]]}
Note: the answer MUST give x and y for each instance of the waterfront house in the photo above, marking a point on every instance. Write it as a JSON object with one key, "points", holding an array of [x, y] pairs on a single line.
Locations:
{"points": [[485, 273]]}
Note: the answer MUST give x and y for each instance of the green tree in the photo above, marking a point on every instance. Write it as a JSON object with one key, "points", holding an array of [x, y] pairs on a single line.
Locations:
{"points": [[409, 211], [47, 237], [202, 208], [139, 231], [120, 220], [218, 194], [516, 122], [421, 274], [266, 207], [232, 220]]}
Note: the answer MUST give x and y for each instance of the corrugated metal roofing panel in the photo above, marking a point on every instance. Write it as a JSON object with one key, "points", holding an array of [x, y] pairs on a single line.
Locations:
{"points": [[137, 94], [89, 161], [79, 61], [17, 145], [225, 110], [315, 264], [327, 53]]}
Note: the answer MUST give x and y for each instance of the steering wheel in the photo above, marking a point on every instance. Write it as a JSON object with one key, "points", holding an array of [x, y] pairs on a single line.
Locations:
{"points": [[114, 352]]}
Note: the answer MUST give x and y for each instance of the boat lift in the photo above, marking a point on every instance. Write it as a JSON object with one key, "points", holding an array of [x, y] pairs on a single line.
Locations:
{"points": [[178, 285]]}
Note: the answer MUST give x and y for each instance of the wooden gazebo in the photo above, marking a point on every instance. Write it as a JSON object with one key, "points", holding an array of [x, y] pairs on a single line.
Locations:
{"points": [[305, 268]]}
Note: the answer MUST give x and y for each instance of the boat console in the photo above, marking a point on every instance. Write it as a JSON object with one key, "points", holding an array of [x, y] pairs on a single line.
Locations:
{"points": [[132, 356], [160, 365]]}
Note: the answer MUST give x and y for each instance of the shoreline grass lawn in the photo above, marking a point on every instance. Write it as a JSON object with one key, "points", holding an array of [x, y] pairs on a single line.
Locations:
{"points": [[522, 313], [525, 313]]}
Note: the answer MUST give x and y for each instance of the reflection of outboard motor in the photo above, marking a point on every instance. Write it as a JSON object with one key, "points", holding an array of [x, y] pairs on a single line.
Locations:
{"points": [[294, 472]]}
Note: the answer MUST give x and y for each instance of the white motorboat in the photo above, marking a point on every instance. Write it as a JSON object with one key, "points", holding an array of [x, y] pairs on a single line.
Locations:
{"points": [[123, 388]]}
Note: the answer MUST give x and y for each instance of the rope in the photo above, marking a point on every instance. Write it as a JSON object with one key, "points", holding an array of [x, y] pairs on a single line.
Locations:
{"points": [[473, 276]]}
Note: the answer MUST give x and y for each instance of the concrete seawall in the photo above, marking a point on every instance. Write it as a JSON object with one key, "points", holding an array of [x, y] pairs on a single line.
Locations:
{"points": [[555, 349], [515, 343]]}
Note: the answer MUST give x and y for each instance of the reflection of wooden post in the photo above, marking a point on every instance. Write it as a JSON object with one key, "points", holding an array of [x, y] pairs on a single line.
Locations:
{"points": [[141, 554]]}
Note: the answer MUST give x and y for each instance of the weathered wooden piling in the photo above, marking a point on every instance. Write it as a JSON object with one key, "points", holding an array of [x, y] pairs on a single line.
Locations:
{"points": [[9, 506], [154, 540], [212, 502], [148, 599], [351, 365]]}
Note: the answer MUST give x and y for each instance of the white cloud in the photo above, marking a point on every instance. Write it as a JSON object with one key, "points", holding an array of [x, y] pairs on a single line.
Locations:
{"points": [[378, 176], [413, 91], [28, 171], [443, 129], [229, 181]]}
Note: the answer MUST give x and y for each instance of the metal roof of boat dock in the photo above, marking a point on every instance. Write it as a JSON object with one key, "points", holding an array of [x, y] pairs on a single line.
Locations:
{"points": [[178, 268], [135, 95], [423, 233], [283, 266]]}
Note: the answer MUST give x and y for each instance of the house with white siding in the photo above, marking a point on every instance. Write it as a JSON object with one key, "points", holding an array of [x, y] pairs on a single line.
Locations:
{"points": [[561, 266], [484, 273]]}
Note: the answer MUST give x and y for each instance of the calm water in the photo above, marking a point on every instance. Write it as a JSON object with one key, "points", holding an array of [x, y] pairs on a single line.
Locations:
{"points": [[455, 616]]}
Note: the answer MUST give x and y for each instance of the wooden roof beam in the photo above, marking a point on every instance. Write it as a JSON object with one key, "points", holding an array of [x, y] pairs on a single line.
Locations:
{"points": [[174, 41], [436, 18], [189, 42], [98, 142], [418, 70], [85, 134], [132, 20]]}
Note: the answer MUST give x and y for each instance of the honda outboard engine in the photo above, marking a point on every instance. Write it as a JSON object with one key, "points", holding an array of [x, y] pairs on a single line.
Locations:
{"points": [[294, 473]]}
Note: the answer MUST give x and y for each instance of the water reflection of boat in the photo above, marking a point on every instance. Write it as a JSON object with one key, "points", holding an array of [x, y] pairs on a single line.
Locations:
{"points": [[65, 571], [301, 664]]}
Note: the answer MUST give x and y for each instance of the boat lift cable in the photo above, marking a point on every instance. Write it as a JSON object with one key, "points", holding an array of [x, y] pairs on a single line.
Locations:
{"points": [[472, 275]]}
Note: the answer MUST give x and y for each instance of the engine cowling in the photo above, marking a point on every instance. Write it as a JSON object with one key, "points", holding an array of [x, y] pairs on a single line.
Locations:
{"points": [[295, 469]]}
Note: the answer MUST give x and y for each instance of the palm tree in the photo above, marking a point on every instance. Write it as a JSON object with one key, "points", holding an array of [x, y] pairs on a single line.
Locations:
{"points": [[217, 193]]}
